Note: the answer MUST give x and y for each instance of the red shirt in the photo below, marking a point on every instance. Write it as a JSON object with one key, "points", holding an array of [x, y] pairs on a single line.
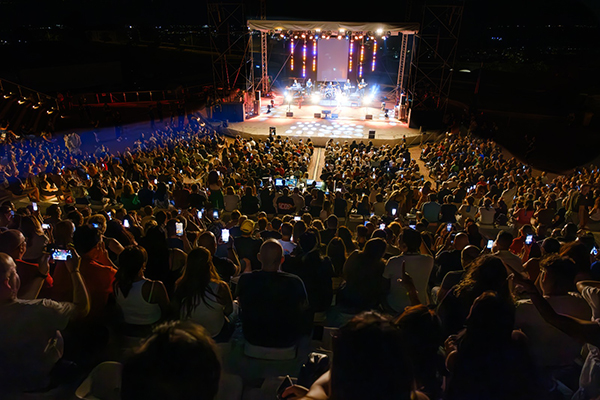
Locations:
{"points": [[27, 273], [98, 280]]}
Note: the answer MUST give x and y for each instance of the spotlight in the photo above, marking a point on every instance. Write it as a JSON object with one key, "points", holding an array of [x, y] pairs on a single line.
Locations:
{"points": [[303, 36], [318, 30], [379, 31], [339, 37], [316, 98], [289, 99], [295, 36]]}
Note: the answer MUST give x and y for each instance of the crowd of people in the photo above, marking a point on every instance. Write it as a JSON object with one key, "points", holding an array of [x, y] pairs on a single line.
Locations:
{"points": [[469, 278]]}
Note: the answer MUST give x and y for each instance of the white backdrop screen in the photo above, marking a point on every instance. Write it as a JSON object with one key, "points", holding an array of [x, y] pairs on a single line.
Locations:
{"points": [[332, 59]]}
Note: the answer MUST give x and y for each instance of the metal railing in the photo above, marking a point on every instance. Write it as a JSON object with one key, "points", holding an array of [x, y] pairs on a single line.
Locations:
{"points": [[23, 91]]}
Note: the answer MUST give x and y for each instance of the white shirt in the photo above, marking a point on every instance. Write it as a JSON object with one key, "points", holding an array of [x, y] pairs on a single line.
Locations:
{"points": [[549, 346], [513, 261], [209, 313], [419, 267]]}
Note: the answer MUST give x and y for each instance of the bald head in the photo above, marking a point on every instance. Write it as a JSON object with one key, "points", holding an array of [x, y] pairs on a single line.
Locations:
{"points": [[6, 264], [9, 278], [468, 255], [208, 241], [12, 242], [461, 241], [271, 255]]}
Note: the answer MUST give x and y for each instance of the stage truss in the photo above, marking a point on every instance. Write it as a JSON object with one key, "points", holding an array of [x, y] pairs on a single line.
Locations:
{"points": [[289, 29]]}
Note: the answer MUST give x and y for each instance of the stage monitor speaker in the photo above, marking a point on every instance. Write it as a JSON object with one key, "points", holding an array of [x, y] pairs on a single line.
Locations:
{"points": [[257, 95], [369, 116], [289, 114], [272, 130], [317, 115], [371, 134]]}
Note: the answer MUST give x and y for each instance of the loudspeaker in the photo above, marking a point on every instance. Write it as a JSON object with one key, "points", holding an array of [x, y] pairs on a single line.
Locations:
{"points": [[371, 134], [317, 115], [289, 114], [368, 116], [272, 130], [257, 95]]}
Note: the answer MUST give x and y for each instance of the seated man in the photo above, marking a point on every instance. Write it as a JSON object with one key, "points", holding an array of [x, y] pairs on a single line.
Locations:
{"points": [[274, 303], [30, 340], [13, 243], [96, 269]]}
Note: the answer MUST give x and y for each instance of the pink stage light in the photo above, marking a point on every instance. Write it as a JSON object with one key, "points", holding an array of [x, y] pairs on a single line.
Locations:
{"points": [[362, 58], [292, 54], [304, 60], [351, 52], [374, 55], [314, 56]]}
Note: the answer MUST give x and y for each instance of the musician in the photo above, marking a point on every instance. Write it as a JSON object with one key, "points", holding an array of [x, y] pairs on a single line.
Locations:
{"points": [[347, 87], [309, 87], [361, 87]]}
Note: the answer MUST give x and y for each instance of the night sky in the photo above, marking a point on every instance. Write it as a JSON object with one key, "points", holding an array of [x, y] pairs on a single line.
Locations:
{"points": [[116, 12]]}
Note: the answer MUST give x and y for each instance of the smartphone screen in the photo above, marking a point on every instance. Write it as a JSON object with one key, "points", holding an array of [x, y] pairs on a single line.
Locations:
{"points": [[394, 211], [594, 251], [126, 223], [45, 226], [199, 214], [381, 226], [179, 228], [216, 214], [297, 218], [413, 227], [60, 254], [34, 206], [490, 243], [449, 227], [95, 225], [529, 239], [109, 215], [225, 235], [366, 222]]}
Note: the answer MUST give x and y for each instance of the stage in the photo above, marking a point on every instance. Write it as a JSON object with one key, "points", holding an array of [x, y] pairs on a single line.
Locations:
{"points": [[344, 121]]}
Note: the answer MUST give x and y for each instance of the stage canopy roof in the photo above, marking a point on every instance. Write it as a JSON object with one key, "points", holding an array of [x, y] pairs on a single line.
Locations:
{"points": [[337, 27]]}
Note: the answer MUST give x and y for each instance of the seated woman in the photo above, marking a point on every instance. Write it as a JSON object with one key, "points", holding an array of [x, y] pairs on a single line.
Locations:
{"points": [[369, 362], [143, 302], [201, 296], [488, 360], [35, 236]]}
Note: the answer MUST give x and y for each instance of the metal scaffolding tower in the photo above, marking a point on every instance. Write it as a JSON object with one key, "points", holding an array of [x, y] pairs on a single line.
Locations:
{"points": [[229, 48], [436, 43]]}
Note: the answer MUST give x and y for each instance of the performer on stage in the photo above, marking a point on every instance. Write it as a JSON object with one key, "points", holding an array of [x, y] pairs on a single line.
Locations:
{"points": [[361, 87], [347, 87], [309, 87]]}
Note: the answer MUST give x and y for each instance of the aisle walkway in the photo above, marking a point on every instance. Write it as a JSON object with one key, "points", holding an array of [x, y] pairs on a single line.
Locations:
{"points": [[317, 162]]}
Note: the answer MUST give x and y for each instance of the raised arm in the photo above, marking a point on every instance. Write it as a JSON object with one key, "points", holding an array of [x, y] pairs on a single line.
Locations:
{"points": [[585, 331]]}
